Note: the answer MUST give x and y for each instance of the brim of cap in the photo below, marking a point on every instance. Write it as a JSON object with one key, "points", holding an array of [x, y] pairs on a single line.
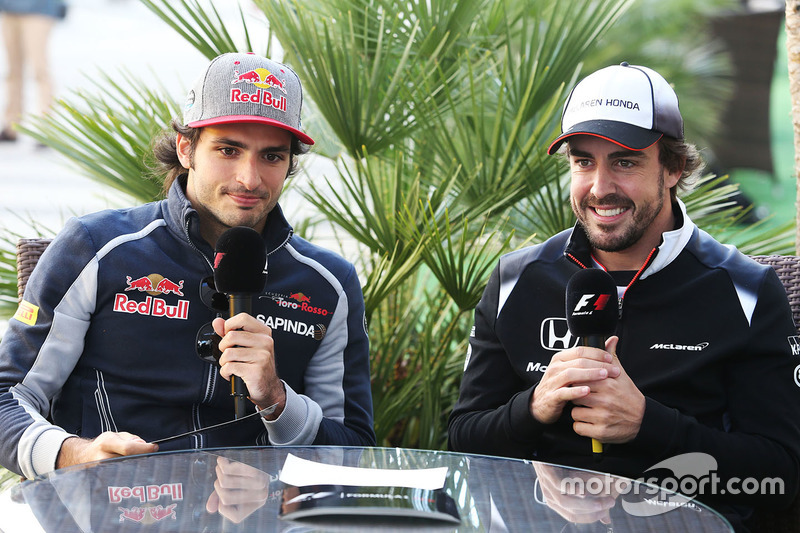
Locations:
{"points": [[621, 133], [231, 119]]}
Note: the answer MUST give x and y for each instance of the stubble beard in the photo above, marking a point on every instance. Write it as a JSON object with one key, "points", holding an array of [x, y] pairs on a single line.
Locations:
{"points": [[601, 236]]}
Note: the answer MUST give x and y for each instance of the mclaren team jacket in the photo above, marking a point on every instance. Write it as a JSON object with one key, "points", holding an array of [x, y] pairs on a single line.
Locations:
{"points": [[105, 340], [705, 333]]}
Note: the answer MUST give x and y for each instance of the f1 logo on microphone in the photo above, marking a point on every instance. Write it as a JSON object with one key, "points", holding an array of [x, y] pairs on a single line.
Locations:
{"points": [[598, 301]]}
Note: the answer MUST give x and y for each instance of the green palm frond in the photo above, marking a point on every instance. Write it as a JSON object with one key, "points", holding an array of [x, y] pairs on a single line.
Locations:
{"points": [[364, 65], [461, 258], [202, 26], [107, 134], [710, 204]]}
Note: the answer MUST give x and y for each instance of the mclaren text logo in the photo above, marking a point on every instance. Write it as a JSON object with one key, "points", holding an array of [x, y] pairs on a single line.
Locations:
{"points": [[554, 335], [680, 347], [535, 367]]}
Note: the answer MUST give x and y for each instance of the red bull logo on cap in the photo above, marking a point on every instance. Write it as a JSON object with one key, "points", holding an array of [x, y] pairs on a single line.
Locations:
{"points": [[261, 78]]}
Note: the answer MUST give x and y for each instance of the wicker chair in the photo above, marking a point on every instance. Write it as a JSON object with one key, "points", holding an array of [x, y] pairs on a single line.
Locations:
{"points": [[788, 269], [28, 253], [786, 266]]}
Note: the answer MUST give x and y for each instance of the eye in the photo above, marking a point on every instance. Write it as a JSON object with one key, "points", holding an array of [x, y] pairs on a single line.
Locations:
{"points": [[626, 163], [227, 151], [275, 157]]}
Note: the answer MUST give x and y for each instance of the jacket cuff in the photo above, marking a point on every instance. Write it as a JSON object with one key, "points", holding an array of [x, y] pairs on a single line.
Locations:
{"points": [[41, 457], [524, 427], [298, 423]]}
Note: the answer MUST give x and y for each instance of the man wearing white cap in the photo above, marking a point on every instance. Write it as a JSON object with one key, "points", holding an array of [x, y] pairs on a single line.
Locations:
{"points": [[702, 361], [122, 338]]}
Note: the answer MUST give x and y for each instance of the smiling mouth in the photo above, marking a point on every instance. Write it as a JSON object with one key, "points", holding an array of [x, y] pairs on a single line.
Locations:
{"points": [[611, 212]]}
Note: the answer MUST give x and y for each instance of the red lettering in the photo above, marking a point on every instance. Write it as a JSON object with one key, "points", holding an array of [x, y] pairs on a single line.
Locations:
{"points": [[151, 307], [144, 307], [138, 492]]}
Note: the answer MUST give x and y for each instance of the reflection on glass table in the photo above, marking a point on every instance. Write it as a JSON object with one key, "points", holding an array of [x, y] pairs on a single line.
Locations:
{"points": [[238, 489]]}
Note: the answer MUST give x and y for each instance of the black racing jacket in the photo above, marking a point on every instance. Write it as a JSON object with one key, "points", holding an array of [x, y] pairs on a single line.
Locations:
{"points": [[706, 334]]}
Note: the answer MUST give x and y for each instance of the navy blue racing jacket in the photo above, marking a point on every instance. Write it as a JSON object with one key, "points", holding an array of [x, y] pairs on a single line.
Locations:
{"points": [[104, 340]]}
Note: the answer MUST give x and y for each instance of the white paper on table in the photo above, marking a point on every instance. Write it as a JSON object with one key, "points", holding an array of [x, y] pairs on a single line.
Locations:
{"points": [[301, 473]]}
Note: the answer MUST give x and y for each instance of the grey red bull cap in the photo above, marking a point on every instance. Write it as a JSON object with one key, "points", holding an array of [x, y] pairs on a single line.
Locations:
{"points": [[630, 105], [239, 87]]}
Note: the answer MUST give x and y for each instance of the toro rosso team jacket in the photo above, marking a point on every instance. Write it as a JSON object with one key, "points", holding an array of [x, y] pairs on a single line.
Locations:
{"points": [[706, 334], [104, 340]]}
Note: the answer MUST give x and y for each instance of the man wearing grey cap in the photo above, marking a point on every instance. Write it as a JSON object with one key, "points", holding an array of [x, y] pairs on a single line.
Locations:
{"points": [[702, 359], [130, 350]]}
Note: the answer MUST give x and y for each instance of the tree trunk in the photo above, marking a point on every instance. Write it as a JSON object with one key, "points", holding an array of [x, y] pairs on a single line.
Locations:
{"points": [[793, 49]]}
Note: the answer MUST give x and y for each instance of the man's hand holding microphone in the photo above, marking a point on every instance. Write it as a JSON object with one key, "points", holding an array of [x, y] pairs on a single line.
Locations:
{"points": [[607, 406]]}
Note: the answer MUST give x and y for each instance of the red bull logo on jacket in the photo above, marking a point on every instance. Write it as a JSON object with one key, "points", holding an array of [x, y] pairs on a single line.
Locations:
{"points": [[154, 285]]}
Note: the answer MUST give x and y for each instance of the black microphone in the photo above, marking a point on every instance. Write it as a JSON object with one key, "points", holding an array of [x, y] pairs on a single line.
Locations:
{"points": [[240, 271], [592, 313]]}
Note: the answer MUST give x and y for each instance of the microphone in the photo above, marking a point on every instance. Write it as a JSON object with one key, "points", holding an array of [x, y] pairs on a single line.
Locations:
{"points": [[240, 271], [592, 314]]}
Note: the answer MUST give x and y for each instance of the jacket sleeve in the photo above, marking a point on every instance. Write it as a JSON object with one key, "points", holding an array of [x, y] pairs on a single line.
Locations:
{"points": [[762, 439], [337, 406], [492, 415], [41, 347]]}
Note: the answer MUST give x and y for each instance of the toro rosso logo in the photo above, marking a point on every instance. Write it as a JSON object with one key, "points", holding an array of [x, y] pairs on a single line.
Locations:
{"points": [[296, 300], [153, 285]]}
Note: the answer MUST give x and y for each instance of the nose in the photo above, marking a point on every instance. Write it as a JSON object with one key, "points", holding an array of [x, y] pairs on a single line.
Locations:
{"points": [[248, 174], [603, 182]]}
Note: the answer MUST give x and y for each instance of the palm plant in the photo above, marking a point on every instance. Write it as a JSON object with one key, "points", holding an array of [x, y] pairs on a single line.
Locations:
{"points": [[437, 116]]}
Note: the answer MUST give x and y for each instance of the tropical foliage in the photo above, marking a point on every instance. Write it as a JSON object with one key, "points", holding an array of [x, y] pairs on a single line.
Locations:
{"points": [[437, 117]]}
